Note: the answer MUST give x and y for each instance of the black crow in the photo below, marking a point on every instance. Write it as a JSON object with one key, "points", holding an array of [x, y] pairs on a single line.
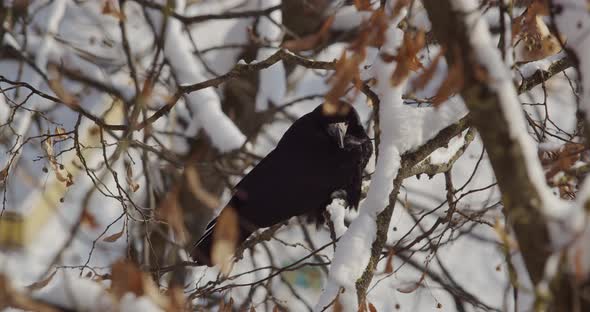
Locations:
{"points": [[320, 154]]}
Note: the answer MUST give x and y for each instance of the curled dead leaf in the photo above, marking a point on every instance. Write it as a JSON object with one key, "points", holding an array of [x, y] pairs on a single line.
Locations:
{"points": [[4, 173], [452, 84], [225, 238], [389, 262], [372, 308], [126, 277], [411, 288], [196, 188], [407, 59], [533, 39], [88, 219], [129, 177], [312, 41], [60, 133], [111, 9], [114, 237], [42, 283], [171, 212], [426, 76], [347, 71], [363, 5]]}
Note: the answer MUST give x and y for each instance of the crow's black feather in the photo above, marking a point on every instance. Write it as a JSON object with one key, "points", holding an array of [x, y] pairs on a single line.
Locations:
{"points": [[299, 176]]}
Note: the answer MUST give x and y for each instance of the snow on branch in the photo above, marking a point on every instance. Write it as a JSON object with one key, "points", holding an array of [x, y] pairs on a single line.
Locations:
{"points": [[402, 129], [206, 104], [535, 213]]}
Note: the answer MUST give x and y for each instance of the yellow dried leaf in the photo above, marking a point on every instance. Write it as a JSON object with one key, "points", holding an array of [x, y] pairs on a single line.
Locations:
{"points": [[42, 283], [170, 211], [196, 188], [4, 173], [129, 177], [61, 133], [225, 237], [114, 237], [312, 41], [56, 85]]}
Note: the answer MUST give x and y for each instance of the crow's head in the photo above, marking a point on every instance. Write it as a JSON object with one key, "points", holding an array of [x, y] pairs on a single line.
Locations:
{"points": [[342, 125]]}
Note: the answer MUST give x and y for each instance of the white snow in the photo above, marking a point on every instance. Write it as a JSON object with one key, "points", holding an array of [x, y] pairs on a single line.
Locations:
{"points": [[552, 207], [272, 84], [205, 103], [402, 128]]}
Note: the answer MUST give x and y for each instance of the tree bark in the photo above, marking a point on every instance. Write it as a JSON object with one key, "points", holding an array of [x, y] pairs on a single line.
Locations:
{"points": [[522, 203]]}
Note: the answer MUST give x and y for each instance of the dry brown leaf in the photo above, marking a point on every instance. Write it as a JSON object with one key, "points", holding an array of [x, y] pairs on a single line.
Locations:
{"points": [[9, 297], [114, 237], [60, 133], [371, 33], [372, 308], [196, 188], [110, 9], [225, 238], [362, 307], [171, 212], [148, 88], [42, 283], [533, 39], [252, 309], [347, 71], [230, 305], [421, 81], [177, 299], [88, 219], [406, 57], [452, 84], [4, 173], [56, 85], [363, 5], [126, 277], [312, 41], [60, 172], [337, 304], [129, 177], [389, 262], [412, 288], [565, 158]]}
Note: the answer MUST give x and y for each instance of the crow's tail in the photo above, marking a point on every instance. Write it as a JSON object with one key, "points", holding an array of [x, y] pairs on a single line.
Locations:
{"points": [[202, 251]]}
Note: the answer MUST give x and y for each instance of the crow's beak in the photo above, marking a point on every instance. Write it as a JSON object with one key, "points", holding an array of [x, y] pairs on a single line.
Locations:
{"points": [[338, 131]]}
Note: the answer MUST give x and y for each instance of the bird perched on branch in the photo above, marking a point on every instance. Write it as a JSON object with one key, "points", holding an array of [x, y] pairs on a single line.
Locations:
{"points": [[323, 152]]}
